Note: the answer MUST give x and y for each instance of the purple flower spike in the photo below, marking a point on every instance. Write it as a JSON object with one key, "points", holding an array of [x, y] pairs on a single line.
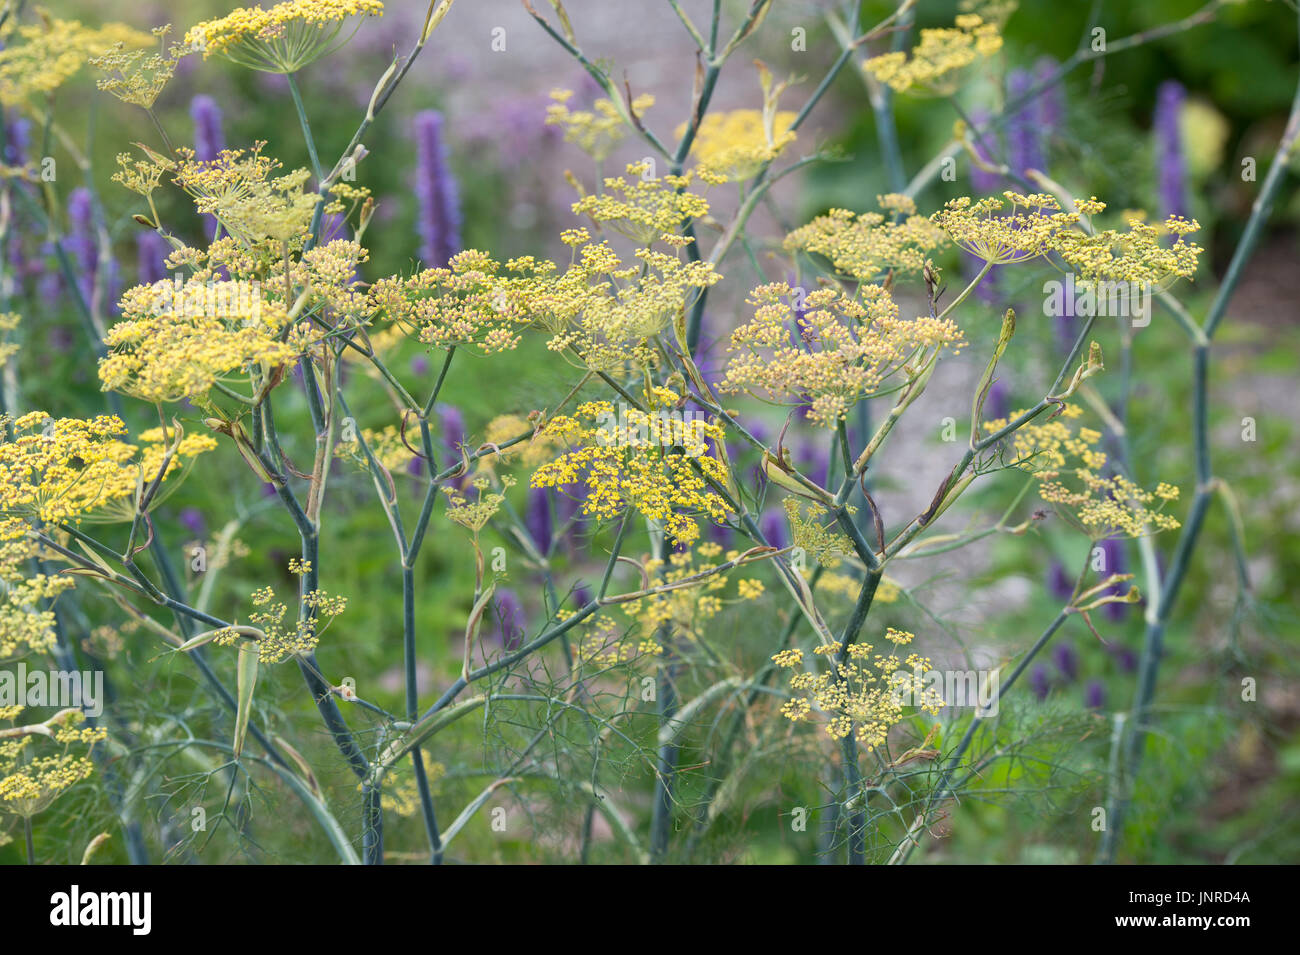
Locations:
{"points": [[1059, 584], [151, 252], [1113, 562], [1067, 661], [192, 520], [439, 201], [538, 518], [773, 526], [982, 181], [1125, 659], [1094, 695], [510, 623], [451, 425], [208, 138], [420, 365], [998, 402], [1051, 101], [1171, 164], [1040, 684], [1022, 133]]}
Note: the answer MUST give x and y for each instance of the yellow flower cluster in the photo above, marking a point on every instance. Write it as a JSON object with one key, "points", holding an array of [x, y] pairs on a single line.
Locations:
{"points": [[1099, 506], [735, 145], [863, 246], [609, 313], [502, 428], [29, 784], [643, 207], [1046, 445], [1135, 255], [1031, 226], [595, 131], [39, 58], [831, 352], [865, 695], [474, 514], [474, 301], [279, 641], [65, 469], [178, 343], [688, 609], [656, 463], [134, 77], [237, 187], [284, 38], [1034, 225], [386, 446], [848, 586], [817, 540], [932, 68]]}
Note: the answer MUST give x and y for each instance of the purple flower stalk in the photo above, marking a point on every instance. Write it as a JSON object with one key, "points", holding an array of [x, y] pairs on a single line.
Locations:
{"points": [[538, 518], [1171, 163], [1059, 584], [1025, 151], [151, 252], [1067, 661], [1094, 695], [1113, 562], [509, 619], [1050, 102], [1040, 684], [982, 181], [208, 138], [435, 190], [773, 525]]}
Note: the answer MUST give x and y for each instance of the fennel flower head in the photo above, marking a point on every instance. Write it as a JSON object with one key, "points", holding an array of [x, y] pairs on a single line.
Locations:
{"points": [[738, 144], [282, 39]]}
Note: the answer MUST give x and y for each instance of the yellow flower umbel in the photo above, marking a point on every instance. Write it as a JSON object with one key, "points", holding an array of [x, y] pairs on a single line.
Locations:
{"points": [[736, 145], [847, 346], [932, 68], [237, 187], [178, 343], [474, 301], [65, 470], [277, 640], [134, 77], [39, 58], [657, 463], [865, 695], [595, 131], [1028, 229], [284, 38], [1067, 465], [1035, 225], [30, 783], [689, 609], [642, 207], [863, 246]]}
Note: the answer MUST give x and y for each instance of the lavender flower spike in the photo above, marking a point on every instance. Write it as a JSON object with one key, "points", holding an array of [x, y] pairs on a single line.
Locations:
{"points": [[439, 202], [1171, 163], [208, 138]]}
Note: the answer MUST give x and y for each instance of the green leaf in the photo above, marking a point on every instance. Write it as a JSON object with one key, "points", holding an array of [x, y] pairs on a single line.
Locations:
{"points": [[245, 680]]}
